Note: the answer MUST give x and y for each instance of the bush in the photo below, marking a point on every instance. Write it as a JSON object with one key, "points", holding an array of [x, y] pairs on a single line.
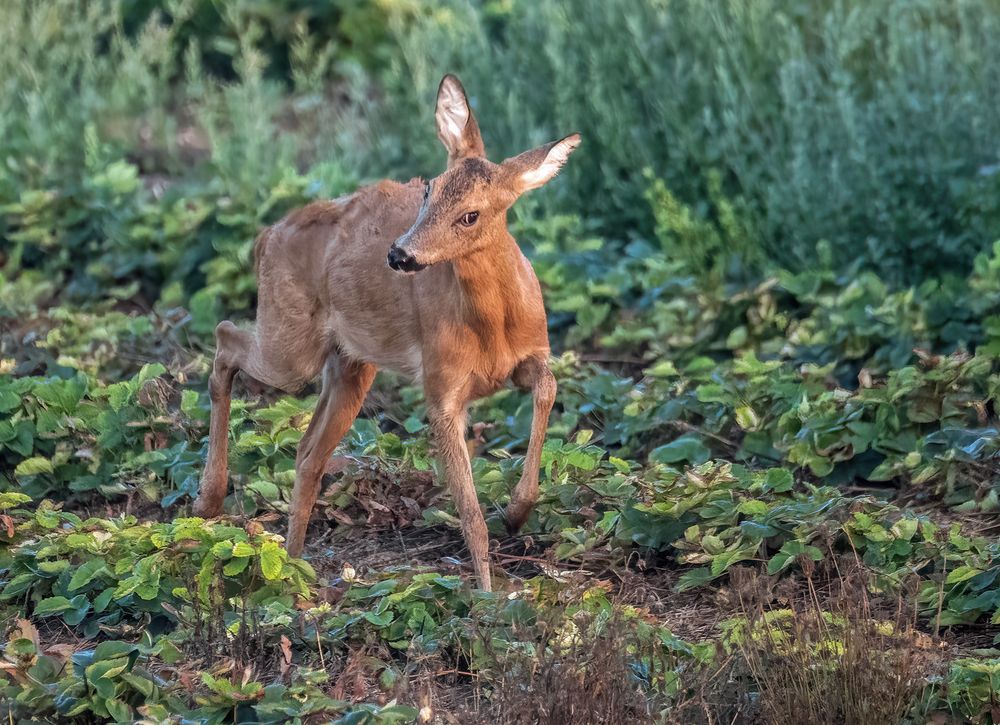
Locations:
{"points": [[357, 27], [866, 124]]}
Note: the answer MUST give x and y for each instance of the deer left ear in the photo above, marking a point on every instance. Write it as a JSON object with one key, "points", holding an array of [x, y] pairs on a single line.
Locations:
{"points": [[537, 167], [456, 126]]}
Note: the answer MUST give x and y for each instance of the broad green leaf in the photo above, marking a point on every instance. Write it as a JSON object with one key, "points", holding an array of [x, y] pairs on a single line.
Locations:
{"points": [[242, 548], [119, 710], [103, 599], [779, 480], [961, 574], [752, 508], [778, 562], [17, 586], [10, 499], [272, 558], [712, 544], [86, 573], [235, 565], [905, 528], [52, 605], [379, 620], [8, 400], [109, 649], [688, 447], [80, 607], [695, 578], [33, 466]]}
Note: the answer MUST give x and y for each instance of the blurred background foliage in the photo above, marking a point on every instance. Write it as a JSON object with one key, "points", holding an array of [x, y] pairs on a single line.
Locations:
{"points": [[865, 129]]}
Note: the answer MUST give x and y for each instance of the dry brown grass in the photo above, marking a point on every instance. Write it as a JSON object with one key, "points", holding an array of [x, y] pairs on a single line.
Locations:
{"points": [[591, 669], [831, 660], [562, 675]]}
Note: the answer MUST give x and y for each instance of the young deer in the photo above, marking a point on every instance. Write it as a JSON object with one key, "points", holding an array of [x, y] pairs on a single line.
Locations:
{"points": [[420, 278]]}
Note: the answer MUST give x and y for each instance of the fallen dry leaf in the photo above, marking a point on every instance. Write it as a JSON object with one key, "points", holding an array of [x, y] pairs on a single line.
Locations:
{"points": [[186, 680], [26, 630], [63, 651], [339, 516], [286, 654], [155, 440]]}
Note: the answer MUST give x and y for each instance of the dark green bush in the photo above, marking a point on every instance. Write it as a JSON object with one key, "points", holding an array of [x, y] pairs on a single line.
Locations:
{"points": [[869, 124], [848, 136], [358, 27]]}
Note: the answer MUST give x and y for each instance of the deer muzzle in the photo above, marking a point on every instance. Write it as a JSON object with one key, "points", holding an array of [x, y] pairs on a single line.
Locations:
{"points": [[402, 261]]}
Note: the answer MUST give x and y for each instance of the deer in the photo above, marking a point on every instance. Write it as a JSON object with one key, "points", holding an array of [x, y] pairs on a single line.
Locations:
{"points": [[421, 278]]}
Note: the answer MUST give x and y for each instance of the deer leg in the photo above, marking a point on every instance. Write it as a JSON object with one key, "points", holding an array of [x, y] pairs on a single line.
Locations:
{"points": [[448, 426], [535, 375], [345, 385], [235, 350]]}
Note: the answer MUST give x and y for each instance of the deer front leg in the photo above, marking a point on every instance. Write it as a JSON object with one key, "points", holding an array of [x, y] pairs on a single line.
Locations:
{"points": [[533, 374], [448, 426], [345, 385]]}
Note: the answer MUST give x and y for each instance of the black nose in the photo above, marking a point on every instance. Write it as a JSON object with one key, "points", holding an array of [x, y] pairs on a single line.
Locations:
{"points": [[402, 261]]}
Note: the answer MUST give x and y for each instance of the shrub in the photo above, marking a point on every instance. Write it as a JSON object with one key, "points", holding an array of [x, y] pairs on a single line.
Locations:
{"points": [[866, 124]]}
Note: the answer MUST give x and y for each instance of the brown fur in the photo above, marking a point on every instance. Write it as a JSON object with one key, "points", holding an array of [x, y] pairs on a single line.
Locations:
{"points": [[470, 322]]}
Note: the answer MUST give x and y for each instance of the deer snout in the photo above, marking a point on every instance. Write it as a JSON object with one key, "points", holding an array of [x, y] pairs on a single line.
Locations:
{"points": [[402, 261]]}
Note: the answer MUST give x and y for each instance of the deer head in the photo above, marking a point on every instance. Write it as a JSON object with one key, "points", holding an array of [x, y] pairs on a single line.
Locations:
{"points": [[465, 208]]}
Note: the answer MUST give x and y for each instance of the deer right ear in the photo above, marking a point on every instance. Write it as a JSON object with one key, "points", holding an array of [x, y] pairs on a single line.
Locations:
{"points": [[456, 126], [537, 167]]}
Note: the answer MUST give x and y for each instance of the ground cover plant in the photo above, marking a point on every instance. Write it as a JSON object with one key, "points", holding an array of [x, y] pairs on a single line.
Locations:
{"points": [[771, 482]]}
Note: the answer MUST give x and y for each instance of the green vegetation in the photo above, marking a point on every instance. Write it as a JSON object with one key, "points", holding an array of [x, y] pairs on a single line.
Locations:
{"points": [[770, 486]]}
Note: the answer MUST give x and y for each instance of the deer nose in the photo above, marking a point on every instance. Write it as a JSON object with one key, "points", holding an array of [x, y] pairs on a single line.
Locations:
{"points": [[402, 261]]}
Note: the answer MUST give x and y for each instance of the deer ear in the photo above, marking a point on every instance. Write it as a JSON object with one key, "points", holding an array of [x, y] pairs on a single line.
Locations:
{"points": [[537, 167], [456, 126]]}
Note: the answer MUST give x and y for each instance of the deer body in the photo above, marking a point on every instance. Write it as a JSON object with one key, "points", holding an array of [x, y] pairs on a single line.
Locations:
{"points": [[386, 279], [489, 308]]}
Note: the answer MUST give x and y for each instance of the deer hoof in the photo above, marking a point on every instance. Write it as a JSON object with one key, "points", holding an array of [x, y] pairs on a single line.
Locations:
{"points": [[206, 509], [515, 515]]}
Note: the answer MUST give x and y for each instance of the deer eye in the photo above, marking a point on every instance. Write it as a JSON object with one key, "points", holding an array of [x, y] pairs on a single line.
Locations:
{"points": [[468, 218]]}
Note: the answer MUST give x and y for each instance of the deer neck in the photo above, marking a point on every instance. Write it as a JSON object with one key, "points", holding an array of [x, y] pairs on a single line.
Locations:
{"points": [[492, 294]]}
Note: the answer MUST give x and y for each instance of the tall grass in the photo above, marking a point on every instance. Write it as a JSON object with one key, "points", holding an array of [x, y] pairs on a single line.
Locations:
{"points": [[124, 158], [867, 123], [842, 661], [867, 130], [149, 97]]}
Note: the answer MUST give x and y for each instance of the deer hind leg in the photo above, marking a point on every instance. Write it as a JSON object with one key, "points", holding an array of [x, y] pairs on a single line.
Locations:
{"points": [[535, 375], [235, 350], [345, 384]]}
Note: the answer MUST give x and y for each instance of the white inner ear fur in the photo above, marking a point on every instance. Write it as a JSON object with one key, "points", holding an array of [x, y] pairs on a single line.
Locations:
{"points": [[554, 160], [452, 114]]}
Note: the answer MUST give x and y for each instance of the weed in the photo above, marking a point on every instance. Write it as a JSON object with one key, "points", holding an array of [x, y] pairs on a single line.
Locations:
{"points": [[838, 663]]}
